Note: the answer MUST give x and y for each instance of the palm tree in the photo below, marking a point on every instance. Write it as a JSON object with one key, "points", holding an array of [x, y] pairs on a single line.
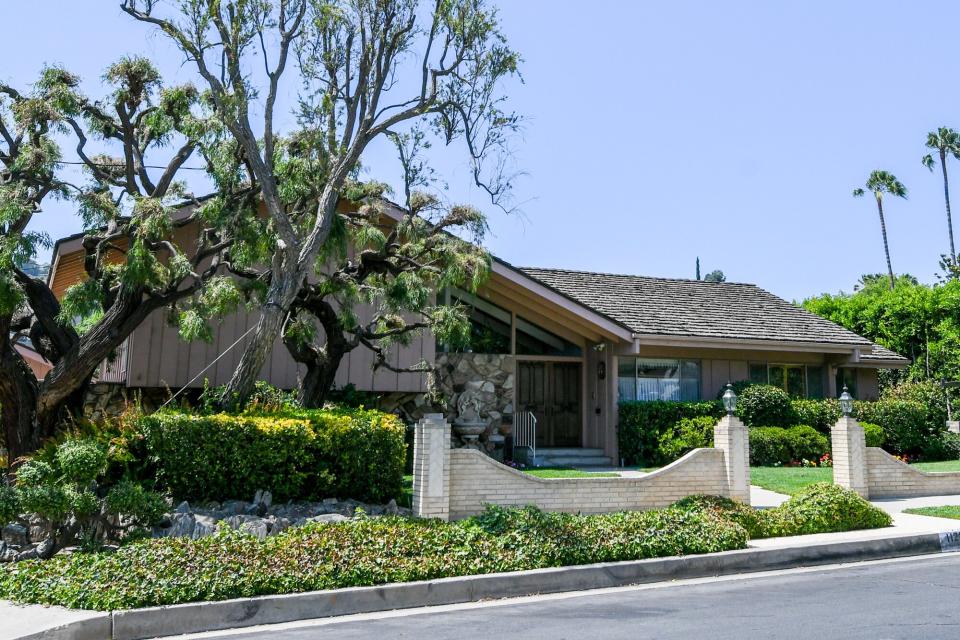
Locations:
{"points": [[944, 141], [879, 183]]}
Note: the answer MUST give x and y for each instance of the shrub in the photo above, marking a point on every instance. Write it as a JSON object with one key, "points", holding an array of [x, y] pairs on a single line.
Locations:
{"points": [[822, 508], [361, 552], [726, 509], [762, 405], [819, 414], [67, 495], [738, 387], [685, 436], [904, 423], [873, 433], [642, 423], [778, 446], [304, 454]]}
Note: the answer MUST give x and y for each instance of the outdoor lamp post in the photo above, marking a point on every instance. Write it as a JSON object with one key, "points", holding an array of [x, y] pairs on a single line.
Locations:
{"points": [[846, 402], [729, 400]]}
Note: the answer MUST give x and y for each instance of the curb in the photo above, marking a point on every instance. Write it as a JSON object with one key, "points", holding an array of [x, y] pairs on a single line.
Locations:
{"points": [[140, 624]]}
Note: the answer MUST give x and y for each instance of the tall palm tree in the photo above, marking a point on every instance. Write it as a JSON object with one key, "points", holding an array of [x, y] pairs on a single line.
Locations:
{"points": [[944, 141], [879, 183]]}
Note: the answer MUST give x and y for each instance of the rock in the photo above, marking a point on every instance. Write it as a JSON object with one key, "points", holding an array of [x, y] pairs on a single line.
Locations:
{"points": [[255, 509], [67, 551], [7, 554], [257, 528], [257, 496], [278, 525], [330, 501], [237, 521], [234, 506], [328, 518], [183, 525], [266, 499], [392, 509], [203, 530], [15, 534], [183, 507], [487, 387], [30, 553], [45, 549]]}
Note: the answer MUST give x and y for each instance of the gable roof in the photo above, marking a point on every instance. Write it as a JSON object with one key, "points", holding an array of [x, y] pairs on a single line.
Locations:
{"points": [[717, 310]]}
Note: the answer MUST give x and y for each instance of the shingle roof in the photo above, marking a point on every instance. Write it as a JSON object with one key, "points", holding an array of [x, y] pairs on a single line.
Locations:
{"points": [[882, 353], [722, 310]]}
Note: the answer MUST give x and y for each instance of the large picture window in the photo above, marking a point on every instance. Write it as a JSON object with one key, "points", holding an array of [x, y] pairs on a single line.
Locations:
{"points": [[647, 379], [798, 380]]}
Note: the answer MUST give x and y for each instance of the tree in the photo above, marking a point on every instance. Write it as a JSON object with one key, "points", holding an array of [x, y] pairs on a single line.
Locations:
{"points": [[698, 267], [879, 183], [944, 141], [133, 264], [367, 68], [715, 276]]}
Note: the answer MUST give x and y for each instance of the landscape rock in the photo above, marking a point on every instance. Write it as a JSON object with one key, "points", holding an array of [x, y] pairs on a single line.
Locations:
{"points": [[15, 534], [233, 506], [257, 528], [328, 518], [183, 525], [45, 549], [183, 507]]}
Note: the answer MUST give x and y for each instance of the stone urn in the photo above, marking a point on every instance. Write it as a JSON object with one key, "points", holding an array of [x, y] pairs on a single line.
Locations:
{"points": [[468, 424]]}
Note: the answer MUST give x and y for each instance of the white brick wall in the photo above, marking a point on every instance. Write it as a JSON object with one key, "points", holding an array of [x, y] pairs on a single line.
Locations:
{"points": [[888, 477]]}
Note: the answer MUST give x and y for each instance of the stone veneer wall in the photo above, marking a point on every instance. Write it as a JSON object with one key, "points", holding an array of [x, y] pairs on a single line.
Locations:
{"points": [[888, 477], [491, 375]]}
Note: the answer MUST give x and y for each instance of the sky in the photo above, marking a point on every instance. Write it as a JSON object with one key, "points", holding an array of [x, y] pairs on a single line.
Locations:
{"points": [[657, 132]]}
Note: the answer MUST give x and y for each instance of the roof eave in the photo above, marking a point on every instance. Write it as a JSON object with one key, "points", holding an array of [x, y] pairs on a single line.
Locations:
{"points": [[667, 340]]}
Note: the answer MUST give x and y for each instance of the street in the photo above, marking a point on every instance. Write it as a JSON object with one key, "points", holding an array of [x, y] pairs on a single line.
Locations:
{"points": [[913, 598]]}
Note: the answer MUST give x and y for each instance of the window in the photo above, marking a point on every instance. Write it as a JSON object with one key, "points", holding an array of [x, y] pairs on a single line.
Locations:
{"points": [[800, 381], [534, 341], [848, 377], [489, 324], [648, 379]]}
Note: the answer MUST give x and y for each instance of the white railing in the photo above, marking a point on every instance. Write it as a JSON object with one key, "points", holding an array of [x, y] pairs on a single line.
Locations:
{"points": [[115, 369], [525, 433]]}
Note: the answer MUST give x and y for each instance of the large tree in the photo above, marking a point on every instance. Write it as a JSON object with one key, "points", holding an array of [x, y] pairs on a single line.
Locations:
{"points": [[879, 183], [132, 263], [366, 68], [945, 142]]}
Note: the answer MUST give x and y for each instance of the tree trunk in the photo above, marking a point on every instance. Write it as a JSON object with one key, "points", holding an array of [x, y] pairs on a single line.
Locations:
{"points": [[282, 293], [946, 199], [18, 401], [886, 247], [321, 374]]}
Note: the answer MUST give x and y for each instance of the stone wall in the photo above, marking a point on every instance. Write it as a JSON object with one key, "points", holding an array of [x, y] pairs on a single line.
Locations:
{"points": [[107, 400], [490, 376], [456, 483]]}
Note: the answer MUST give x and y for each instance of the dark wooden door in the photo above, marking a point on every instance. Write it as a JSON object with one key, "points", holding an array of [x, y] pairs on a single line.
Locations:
{"points": [[552, 392]]}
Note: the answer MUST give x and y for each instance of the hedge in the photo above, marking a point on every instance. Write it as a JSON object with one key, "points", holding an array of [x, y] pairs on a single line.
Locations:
{"points": [[360, 552], [642, 423], [297, 455], [771, 446], [369, 551]]}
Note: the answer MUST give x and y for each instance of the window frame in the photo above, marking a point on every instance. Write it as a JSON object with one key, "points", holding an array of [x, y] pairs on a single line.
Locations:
{"points": [[681, 365]]}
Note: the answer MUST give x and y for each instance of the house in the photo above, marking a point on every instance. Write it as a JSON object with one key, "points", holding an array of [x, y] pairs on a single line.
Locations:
{"points": [[565, 346]]}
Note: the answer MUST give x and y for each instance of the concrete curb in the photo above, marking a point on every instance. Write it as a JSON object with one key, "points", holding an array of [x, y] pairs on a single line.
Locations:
{"points": [[140, 624]]}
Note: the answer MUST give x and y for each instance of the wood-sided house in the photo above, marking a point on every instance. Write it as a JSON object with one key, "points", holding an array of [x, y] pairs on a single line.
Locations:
{"points": [[564, 345]]}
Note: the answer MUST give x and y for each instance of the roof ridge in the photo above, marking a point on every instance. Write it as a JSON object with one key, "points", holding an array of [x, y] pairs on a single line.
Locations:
{"points": [[634, 275]]}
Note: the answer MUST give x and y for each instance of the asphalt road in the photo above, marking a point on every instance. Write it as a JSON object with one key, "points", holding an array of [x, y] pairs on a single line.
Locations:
{"points": [[915, 599]]}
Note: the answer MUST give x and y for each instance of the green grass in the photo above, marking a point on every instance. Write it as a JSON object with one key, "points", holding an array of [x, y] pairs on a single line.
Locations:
{"points": [[789, 480], [947, 511], [946, 465]]}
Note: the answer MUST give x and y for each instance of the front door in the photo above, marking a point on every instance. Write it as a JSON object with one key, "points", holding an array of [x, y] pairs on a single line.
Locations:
{"points": [[551, 391]]}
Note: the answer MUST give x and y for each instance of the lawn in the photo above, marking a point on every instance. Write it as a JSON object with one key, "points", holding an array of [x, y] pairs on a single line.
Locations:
{"points": [[789, 480], [947, 511], [566, 472], [946, 465]]}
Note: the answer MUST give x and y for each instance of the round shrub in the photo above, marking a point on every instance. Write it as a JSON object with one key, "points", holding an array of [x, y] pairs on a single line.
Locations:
{"points": [[819, 414], [873, 434], [80, 461], [685, 436], [132, 500], [806, 443], [725, 509], [905, 424], [823, 508], [9, 504], [762, 405], [35, 472], [642, 423]]}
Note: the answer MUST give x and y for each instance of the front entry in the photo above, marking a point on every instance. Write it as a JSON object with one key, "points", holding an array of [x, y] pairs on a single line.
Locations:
{"points": [[551, 391]]}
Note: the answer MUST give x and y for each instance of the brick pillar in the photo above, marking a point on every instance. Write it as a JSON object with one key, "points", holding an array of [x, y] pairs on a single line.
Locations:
{"points": [[731, 436], [849, 452], [431, 467]]}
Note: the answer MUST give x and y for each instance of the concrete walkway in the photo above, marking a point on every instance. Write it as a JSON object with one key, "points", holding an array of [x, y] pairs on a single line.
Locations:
{"points": [[35, 621]]}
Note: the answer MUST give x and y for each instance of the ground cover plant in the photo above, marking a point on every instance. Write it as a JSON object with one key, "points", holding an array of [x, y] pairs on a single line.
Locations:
{"points": [[369, 551]]}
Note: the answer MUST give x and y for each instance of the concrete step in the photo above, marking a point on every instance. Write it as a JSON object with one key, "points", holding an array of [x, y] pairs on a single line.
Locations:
{"points": [[569, 451], [573, 461]]}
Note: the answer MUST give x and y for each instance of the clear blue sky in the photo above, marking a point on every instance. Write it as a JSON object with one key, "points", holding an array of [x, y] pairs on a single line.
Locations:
{"points": [[660, 131]]}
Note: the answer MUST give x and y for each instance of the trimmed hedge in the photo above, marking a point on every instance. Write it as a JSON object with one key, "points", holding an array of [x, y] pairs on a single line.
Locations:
{"points": [[642, 424], [778, 446], [297, 455], [356, 553], [761, 405], [685, 436]]}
